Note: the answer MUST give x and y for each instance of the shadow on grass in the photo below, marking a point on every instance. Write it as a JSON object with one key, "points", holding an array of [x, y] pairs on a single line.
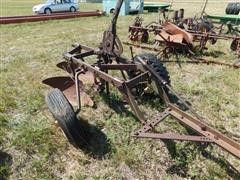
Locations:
{"points": [[91, 139], [155, 101], [119, 106], [197, 59], [185, 155], [5, 164], [214, 53], [223, 163], [152, 100], [181, 166]]}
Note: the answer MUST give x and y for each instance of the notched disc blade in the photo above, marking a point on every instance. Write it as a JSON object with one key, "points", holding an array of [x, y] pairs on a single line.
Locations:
{"points": [[67, 86]]}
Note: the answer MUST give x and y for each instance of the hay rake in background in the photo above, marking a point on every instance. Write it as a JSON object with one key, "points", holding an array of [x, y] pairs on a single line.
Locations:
{"points": [[180, 35], [180, 31], [137, 73]]}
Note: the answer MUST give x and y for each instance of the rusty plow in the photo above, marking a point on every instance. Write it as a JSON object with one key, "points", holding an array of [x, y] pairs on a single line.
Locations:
{"points": [[133, 76]]}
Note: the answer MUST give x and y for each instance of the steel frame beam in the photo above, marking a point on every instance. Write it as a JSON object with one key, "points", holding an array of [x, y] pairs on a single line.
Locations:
{"points": [[206, 133]]}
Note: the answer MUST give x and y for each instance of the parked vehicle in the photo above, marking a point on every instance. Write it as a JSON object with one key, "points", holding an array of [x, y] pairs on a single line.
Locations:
{"points": [[51, 6]]}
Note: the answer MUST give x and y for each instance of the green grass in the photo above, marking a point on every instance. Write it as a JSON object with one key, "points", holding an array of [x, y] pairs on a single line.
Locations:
{"points": [[33, 148]]}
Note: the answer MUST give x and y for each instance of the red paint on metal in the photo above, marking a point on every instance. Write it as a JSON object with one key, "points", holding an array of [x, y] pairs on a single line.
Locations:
{"points": [[34, 18]]}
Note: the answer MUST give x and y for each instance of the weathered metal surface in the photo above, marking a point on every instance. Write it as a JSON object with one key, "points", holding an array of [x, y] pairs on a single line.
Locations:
{"points": [[174, 37], [207, 134], [175, 30], [34, 18], [68, 87], [108, 58], [207, 131]]}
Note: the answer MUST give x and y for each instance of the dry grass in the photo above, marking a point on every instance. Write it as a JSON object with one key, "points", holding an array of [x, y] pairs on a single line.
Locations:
{"points": [[33, 148]]}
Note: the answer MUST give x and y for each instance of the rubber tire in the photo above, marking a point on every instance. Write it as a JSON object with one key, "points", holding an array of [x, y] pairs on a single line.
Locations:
{"points": [[112, 10], [118, 45], [157, 66], [233, 8], [72, 9], [228, 8], [237, 8], [155, 63], [45, 11], [63, 112]]}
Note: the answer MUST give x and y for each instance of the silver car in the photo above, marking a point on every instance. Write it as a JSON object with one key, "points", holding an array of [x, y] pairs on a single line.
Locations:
{"points": [[51, 6]]}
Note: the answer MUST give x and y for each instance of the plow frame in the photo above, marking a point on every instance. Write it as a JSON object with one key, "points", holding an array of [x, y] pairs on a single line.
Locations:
{"points": [[109, 57], [100, 70]]}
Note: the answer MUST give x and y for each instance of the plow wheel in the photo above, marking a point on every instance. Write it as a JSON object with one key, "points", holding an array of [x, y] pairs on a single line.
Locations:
{"points": [[63, 112], [157, 66]]}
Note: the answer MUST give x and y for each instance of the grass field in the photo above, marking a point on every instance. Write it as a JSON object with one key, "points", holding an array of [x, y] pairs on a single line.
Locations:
{"points": [[31, 147]]}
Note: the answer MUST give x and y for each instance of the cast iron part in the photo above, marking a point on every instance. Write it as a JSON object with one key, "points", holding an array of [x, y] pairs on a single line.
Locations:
{"points": [[144, 72]]}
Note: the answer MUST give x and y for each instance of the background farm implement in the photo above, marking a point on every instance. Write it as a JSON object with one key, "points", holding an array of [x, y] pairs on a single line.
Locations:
{"points": [[179, 35]]}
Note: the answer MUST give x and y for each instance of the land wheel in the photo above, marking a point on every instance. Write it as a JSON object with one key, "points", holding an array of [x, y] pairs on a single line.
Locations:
{"points": [[157, 66], [73, 9], [48, 11], [63, 112]]}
